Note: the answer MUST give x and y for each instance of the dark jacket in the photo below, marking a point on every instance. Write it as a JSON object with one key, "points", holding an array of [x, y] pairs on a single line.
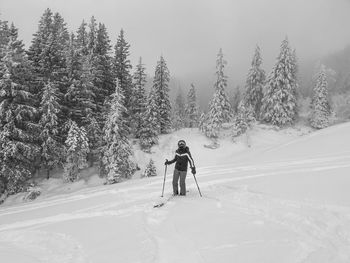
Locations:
{"points": [[182, 158]]}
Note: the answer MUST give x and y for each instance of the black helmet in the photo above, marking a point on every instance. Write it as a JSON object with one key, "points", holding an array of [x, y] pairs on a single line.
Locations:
{"points": [[181, 144]]}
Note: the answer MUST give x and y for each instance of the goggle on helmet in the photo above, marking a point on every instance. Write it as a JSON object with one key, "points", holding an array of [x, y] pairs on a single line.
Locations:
{"points": [[181, 144]]}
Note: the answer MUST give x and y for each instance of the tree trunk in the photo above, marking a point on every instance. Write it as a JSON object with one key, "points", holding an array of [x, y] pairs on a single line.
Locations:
{"points": [[48, 173]]}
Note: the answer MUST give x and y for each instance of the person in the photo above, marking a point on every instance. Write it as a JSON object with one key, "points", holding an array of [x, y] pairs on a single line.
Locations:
{"points": [[182, 158]]}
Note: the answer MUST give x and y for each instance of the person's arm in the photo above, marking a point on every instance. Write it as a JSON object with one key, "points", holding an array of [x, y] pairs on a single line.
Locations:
{"points": [[171, 161], [190, 160]]}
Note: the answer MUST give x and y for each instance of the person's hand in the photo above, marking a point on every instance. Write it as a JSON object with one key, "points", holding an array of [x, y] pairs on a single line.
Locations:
{"points": [[193, 170], [166, 162]]}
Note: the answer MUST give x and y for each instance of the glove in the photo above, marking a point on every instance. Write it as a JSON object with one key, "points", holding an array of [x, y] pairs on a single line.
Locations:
{"points": [[166, 162], [193, 170]]}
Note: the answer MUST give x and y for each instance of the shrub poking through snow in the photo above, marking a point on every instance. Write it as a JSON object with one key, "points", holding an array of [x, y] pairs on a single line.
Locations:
{"points": [[32, 193], [150, 169]]}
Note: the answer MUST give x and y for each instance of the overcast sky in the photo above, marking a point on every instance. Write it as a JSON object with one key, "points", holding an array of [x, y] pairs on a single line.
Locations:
{"points": [[189, 33]]}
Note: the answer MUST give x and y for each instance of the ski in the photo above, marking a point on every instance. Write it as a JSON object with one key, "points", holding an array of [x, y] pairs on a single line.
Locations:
{"points": [[159, 205], [163, 202]]}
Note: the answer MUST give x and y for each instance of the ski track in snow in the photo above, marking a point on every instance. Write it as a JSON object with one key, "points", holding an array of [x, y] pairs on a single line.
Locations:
{"points": [[47, 247], [320, 231], [318, 228]]}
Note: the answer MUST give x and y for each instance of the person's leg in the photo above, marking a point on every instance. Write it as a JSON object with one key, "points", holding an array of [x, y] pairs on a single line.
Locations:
{"points": [[183, 182], [175, 182]]}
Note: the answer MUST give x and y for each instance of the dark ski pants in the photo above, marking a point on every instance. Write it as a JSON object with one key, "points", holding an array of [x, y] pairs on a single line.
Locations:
{"points": [[182, 176]]}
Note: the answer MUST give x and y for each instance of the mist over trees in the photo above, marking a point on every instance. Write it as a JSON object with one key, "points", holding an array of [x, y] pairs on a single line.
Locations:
{"points": [[339, 64]]}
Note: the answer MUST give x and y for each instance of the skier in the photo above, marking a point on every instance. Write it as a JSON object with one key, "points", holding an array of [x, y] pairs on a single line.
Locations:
{"points": [[182, 158]]}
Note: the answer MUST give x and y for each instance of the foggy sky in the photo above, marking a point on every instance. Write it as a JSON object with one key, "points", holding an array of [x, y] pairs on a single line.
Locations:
{"points": [[189, 33]]}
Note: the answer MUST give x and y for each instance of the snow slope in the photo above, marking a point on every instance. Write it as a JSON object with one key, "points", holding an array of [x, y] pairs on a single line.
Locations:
{"points": [[285, 199]]}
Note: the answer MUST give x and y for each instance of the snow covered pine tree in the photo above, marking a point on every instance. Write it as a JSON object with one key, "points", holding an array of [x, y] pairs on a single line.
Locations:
{"points": [[122, 70], [279, 104], [77, 145], [150, 169], [139, 98], [320, 108], [150, 126], [116, 150], [179, 111], [243, 120], [254, 84], [161, 93], [219, 108], [51, 146], [192, 109], [19, 146]]}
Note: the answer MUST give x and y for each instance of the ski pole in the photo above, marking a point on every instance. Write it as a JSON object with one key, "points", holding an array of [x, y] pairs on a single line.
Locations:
{"points": [[197, 185], [164, 180]]}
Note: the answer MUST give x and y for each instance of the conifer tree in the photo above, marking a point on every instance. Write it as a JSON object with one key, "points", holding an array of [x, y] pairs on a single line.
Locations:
{"points": [[7, 34], [77, 148], [80, 95], [150, 125], [92, 83], [179, 112], [192, 109], [48, 51], [219, 107], [214, 118], [202, 125], [122, 70], [48, 54], [236, 99], [243, 119], [4, 37], [150, 169], [117, 163], [104, 79], [161, 89], [19, 149], [58, 41], [82, 39], [92, 36], [254, 83], [139, 97], [83, 106], [279, 104], [74, 60], [294, 64], [38, 51], [90, 109], [320, 106], [51, 147]]}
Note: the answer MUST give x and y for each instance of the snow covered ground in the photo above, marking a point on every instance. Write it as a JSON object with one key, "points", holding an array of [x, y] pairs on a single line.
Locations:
{"points": [[284, 199]]}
